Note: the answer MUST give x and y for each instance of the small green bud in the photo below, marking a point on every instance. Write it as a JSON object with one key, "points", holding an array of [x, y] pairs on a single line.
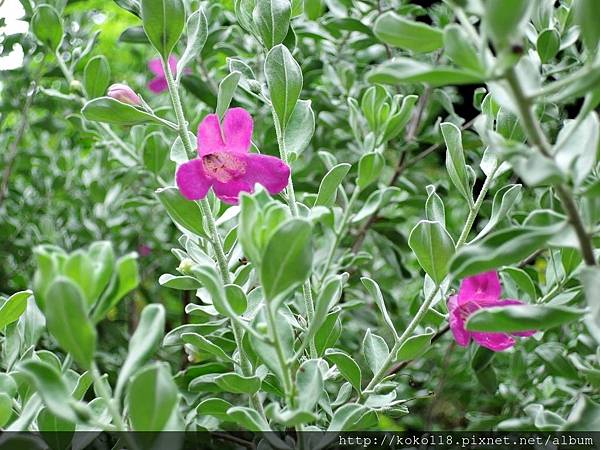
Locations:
{"points": [[185, 266], [75, 86]]}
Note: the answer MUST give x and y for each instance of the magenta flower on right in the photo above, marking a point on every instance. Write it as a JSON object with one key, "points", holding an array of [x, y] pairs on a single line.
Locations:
{"points": [[477, 292]]}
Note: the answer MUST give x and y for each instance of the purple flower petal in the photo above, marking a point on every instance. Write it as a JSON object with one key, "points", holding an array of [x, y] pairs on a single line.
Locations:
{"points": [[155, 66], [210, 139], [229, 192], [482, 288], [237, 130], [158, 85], [457, 324], [494, 341], [191, 180], [266, 170]]}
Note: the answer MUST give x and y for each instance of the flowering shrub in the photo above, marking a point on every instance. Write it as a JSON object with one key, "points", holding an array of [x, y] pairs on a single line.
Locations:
{"points": [[366, 177]]}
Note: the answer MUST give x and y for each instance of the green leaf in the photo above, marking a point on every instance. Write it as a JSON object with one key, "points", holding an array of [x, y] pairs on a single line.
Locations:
{"points": [[96, 76], [504, 200], [163, 22], [110, 110], [134, 35], [236, 298], [309, 382], [79, 268], [346, 416], [227, 88], [433, 247], [347, 367], [47, 26], [300, 128], [153, 398], [372, 103], [586, 15], [460, 49], [434, 207], [202, 343], [455, 160], [406, 34], [502, 248], [56, 431], [505, 19], [284, 78], [415, 346], [403, 70], [197, 32], [375, 351], [68, 321], [155, 152], [585, 415], [329, 295], [247, 418], [516, 318], [590, 280], [103, 260], [548, 44], [287, 260], [143, 344], [13, 308], [272, 21], [576, 147], [5, 409], [398, 121], [211, 281], [184, 213], [330, 183], [173, 337], [51, 386], [238, 384], [128, 273], [375, 292], [369, 169], [215, 407], [182, 283], [265, 350]]}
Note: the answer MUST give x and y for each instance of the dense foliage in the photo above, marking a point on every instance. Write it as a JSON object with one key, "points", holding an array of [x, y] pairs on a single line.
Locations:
{"points": [[429, 142]]}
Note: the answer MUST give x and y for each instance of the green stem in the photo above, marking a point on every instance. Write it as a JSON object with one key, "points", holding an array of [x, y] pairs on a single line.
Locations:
{"points": [[110, 404], [401, 340], [291, 197], [474, 210], [338, 236], [217, 245], [537, 137], [288, 384], [63, 68]]}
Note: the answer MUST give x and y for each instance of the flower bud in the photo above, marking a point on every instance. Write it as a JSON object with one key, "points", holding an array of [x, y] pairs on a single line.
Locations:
{"points": [[124, 94], [185, 266], [75, 86]]}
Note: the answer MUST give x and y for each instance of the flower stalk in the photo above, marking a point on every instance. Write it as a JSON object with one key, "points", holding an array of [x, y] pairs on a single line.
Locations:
{"points": [[216, 242]]}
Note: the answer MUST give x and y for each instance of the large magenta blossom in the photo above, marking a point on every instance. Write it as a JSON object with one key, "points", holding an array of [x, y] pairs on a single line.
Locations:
{"points": [[225, 163], [159, 83], [476, 292]]}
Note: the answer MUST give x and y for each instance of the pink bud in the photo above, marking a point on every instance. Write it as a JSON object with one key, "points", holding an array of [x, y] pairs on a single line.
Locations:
{"points": [[124, 94]]}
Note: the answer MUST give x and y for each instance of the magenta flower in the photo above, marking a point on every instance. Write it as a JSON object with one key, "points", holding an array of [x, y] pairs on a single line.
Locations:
{"points": [[476, 292], [159, 83], [144, 250], [225, 163], [124, 94]]}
